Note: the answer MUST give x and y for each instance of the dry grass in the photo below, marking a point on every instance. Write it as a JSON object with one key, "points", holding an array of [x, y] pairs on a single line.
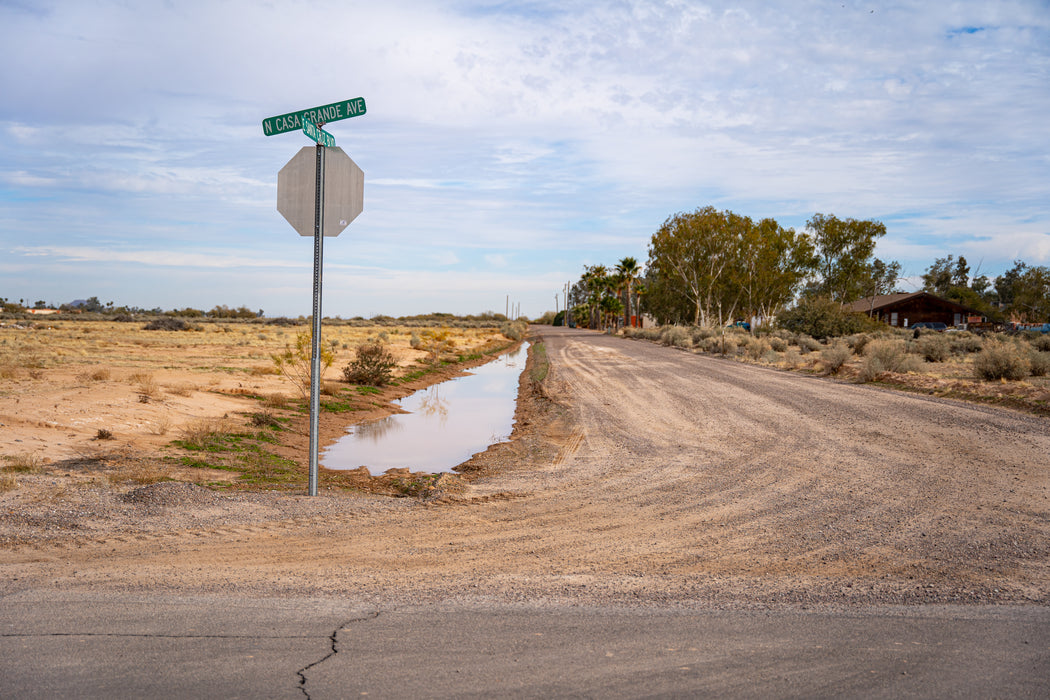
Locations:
{"points": [[24, 463], [8, 481]]}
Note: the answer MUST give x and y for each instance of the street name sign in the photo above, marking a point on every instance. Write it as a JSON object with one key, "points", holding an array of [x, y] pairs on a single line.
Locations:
{"points": [[317, 134], [293, 121], [344, 191]]}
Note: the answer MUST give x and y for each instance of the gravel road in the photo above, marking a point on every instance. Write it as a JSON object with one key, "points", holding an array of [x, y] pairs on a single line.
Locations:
{"points": [[648, 476]]}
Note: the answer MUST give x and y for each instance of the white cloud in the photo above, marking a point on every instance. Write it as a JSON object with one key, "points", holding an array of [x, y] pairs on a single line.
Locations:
{"points": [[523, 132]]}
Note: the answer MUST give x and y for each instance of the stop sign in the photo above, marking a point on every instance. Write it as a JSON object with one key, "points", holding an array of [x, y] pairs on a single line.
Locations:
{"points": [[344, 191]]}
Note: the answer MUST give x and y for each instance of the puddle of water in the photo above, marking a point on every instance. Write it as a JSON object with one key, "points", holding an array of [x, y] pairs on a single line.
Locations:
{"points": [[446, 423]]}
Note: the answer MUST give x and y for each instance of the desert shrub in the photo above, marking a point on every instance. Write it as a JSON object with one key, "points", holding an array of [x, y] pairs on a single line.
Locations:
{"points": [[1040, 364], [1001, 361], [758, 347], [808, 344], [514, 330], [935, 347], [892, 355], [777, 343], [771, 357], [294, 363], [965, 342], [835, 356], [372, 365], [206, 434], [700, 334], [24, 463], [821, 317], [167, 323], [414, 341], [858, 342], [1042, 342], [676, 336], [792, 358]]}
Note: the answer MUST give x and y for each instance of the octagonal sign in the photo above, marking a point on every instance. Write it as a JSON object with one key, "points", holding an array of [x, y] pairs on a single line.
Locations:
{"points": [[344, 191]]}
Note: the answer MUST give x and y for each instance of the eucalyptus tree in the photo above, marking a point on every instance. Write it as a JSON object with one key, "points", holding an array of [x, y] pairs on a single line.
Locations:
{"points": [[844, 252], [774, 263], [695, 254]]}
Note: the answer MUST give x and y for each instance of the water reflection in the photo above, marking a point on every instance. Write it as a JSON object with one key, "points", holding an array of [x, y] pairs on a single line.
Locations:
{"points": [[444, 425]]}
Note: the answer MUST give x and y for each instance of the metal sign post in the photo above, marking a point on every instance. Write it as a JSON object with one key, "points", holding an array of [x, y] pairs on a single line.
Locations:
{"points": [[315, 350], [345, 202]]}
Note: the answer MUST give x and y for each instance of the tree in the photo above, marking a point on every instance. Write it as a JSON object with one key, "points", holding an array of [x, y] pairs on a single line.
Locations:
{"points": [[1029, 291], [951, 279], [629, 270], [693, 256], [882, 279], [774, 263], [844, 251]]}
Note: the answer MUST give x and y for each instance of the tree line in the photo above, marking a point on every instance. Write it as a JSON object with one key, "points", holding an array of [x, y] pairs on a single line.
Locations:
{"points": [[710, 267]]}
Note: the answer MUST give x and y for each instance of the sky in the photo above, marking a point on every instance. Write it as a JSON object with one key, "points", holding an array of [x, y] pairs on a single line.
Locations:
{"points": [[505, 145]]}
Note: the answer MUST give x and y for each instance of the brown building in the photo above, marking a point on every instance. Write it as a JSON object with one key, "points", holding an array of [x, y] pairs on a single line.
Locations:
{"points": [[902, 310]]}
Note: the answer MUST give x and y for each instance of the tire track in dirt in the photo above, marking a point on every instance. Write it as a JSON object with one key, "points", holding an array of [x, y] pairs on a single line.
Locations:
{"points": [[671, 477]]}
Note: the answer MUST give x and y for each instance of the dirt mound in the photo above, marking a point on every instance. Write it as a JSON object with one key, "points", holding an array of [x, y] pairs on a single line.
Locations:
{"points": [[171, 493]]}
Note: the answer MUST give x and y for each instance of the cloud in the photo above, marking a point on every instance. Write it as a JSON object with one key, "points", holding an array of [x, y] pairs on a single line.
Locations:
{"points": [[525, 132]]}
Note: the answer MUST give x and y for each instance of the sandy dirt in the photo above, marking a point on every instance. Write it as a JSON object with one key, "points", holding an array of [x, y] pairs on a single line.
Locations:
{"points": [[637, 474]]}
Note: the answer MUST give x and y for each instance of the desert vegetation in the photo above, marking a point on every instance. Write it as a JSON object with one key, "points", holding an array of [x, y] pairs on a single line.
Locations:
{"points": [[997, 368], [214, 400]]}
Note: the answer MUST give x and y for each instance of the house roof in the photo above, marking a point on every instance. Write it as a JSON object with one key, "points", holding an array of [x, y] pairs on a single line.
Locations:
{"points": [[887, 301]]}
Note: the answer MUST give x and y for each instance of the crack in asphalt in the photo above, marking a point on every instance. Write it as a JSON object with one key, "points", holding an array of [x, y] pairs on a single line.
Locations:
{"points": [[333, 650]]}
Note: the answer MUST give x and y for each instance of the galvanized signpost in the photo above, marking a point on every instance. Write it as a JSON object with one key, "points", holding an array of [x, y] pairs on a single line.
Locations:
{"points": [[334, 186]]}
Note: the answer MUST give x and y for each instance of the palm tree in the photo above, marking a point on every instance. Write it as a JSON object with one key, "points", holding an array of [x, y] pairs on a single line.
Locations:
{"points": [[629, 270]]}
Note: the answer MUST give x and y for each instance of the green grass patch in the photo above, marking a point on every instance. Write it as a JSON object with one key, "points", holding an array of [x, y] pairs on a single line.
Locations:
{"points": [[540, 363]]}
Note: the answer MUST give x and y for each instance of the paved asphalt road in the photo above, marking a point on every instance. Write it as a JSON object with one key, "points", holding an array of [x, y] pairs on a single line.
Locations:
{"points": [[63, 645]]}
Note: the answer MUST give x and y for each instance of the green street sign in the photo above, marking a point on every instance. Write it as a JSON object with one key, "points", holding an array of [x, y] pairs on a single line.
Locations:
{"points": [[293, 121], [317, 134]]}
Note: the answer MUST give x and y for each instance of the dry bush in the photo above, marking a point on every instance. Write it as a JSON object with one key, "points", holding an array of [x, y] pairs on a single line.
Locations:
{"points": [[777, 343], [96, 375], [260, 370], [700, 334], [934, 347], [1001, 361], [372, 366], [330, 388], [676, 336], [275, 401], [208, 434], [965, 342], [807, 344], [758, 348], [858, 342], [835, 356], [161, 426], [296, 364], [1042, 342], [890, 356], [792, 358], [148, 389], [1040, 364], [24, 463], [181, 389], [8, 482]]}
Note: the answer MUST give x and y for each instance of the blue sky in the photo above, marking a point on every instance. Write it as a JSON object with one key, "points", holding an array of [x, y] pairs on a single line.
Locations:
{"points": [[505, 145]]}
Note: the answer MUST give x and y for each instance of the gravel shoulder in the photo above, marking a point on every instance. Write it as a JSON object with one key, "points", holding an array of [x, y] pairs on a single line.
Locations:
{"points": [[637, 474]]}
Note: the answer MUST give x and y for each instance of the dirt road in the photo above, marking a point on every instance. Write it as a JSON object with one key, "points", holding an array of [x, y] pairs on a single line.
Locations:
{"points": [[651, 476]]}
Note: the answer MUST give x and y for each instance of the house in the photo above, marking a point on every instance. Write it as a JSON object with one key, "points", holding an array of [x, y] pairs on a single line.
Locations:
{"points": [[902, 310]]}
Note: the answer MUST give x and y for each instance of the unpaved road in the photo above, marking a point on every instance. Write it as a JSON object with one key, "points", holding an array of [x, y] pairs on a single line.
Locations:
{"points": [[652, 477]]}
